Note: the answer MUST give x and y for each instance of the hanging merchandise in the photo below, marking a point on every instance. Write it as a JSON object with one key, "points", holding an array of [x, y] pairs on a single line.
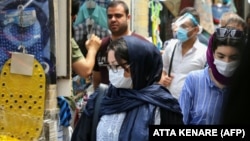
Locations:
{"points": [[91, 19], [34, 33], [156, 7], [220, 7], [90, 9], [204, 8], [90, 24], [173, 6], [24, 25], [22, 98], [103, 3]]}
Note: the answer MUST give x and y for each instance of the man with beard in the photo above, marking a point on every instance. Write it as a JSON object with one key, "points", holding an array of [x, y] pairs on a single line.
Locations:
{"points": [[118, 23]]}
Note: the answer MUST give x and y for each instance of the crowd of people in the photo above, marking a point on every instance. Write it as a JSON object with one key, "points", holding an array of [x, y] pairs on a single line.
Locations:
{"points": [[190, 83]]}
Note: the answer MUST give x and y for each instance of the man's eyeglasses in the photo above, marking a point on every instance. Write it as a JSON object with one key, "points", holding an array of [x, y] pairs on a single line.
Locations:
{"points": [[115, 68], [225, 33]]}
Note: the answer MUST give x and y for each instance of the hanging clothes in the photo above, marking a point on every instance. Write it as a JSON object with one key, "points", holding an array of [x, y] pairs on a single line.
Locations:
{"points": [[204, 8], [173, 6], [186, 3], [97, 13], [34, 33], [156, 7], [84, 29], [65, 114], [219, 8], [103, 3]]}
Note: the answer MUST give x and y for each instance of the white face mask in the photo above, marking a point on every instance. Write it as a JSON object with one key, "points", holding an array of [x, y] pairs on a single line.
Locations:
{"points": [[224, 68], [118, 80]]}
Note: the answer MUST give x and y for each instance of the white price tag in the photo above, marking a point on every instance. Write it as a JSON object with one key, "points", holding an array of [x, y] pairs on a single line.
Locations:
{"points": [[22, 63]]}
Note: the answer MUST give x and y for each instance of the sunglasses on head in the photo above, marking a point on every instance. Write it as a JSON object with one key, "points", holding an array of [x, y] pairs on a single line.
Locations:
{"points": [[227, 33]]}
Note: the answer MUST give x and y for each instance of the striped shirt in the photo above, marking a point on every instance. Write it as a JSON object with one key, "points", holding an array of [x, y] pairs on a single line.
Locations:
{"points": [[201, 100]]}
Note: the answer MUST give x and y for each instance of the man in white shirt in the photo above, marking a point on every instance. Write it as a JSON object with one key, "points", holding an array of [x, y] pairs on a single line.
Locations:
{"points": [[188, 52]]}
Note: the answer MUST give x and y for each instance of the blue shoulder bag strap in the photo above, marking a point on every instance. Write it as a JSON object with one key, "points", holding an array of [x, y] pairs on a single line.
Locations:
{"points": [[101, 91]]}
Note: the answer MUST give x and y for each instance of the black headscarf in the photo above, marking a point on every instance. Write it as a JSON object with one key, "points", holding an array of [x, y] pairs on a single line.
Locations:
{"points": [[146, 62]]}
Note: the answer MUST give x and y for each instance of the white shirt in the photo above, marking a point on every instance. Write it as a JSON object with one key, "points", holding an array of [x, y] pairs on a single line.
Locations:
{"points": [[194, 59], [109, 126]]}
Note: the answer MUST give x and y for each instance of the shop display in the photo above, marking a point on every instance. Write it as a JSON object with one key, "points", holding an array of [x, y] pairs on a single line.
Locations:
{"points": [[22, 103], [206, 17], [30, 30], [25, 66], [173, 6]]}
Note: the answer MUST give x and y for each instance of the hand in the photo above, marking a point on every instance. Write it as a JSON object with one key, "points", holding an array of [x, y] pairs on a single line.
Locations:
{"points": [[93, 43], [166, 80]]}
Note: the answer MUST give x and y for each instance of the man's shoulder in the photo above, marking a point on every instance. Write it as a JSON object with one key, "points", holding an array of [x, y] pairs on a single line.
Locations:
{"points": [[169, 44], [173, 40], [200, 44], [139, 36], [106, 40], [105, 43]]}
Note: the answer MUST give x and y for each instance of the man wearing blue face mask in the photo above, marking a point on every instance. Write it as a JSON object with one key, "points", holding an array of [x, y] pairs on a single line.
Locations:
{"points": [[184, 54]]}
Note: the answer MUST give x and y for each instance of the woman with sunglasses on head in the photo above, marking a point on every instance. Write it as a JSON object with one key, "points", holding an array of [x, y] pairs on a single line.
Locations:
{"points": [[134, 100], [237, 107], [205, 91]]}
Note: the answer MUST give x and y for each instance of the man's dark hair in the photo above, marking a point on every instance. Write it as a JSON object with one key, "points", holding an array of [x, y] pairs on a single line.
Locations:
{"points": [[75, 5], [119, 2]]}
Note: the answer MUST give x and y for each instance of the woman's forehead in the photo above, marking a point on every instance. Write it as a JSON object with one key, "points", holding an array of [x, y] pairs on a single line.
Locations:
{"points": [[227, 50]]}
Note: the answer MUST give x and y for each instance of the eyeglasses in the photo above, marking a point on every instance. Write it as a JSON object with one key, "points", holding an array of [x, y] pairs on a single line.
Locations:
{"points": [[114, 68], [224, 33]]}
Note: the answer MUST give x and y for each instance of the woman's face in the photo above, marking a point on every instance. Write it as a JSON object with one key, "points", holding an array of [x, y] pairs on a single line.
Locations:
{"points": [[226, 53], [114, 64]]}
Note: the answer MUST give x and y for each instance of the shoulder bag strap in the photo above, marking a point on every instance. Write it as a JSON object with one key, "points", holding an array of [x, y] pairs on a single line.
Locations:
{"points": [[171, 60]]}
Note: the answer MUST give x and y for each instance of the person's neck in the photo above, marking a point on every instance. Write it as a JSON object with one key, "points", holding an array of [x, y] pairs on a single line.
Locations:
{"points": [[217, 83], [114, 37], [188, 45]]}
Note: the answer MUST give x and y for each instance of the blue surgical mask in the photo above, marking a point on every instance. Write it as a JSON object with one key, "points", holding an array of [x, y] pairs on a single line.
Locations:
{"points": [[118, 80], [181, 34]]}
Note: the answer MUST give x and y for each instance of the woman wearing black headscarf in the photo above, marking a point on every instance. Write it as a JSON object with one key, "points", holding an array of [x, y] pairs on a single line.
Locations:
{"points": [[133, 100]]}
